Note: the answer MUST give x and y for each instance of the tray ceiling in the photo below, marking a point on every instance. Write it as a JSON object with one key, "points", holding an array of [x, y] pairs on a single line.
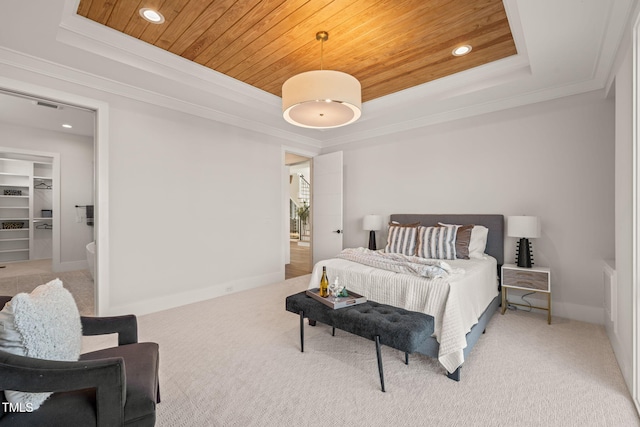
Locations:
{"points": [[388, 45]]}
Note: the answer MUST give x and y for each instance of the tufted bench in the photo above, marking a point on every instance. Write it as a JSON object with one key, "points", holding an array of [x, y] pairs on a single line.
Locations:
{"points": [[395, 327]]}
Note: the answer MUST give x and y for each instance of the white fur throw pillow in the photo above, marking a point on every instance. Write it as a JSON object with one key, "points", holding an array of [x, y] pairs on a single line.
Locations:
{"points": [[44, 324]]}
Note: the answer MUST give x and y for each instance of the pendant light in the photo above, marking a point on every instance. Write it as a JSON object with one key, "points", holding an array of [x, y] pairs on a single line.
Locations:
{"points": [[321, 99]]}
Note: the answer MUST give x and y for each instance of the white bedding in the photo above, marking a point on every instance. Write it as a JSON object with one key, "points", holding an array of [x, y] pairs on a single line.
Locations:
{"points": [[455, 303]]}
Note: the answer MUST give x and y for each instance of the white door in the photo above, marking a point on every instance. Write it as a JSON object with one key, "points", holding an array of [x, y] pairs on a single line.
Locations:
{"points": [[326, 206]]}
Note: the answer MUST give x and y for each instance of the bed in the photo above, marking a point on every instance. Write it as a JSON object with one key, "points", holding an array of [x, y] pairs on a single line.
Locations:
{"points": [[460, 302]]}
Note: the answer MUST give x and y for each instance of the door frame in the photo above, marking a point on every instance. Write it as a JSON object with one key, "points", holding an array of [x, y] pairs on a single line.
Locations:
{"points": [[286, 255], [635, 215], [101, 174]]}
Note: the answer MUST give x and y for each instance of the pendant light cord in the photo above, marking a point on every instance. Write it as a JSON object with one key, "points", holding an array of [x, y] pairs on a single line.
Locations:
{"points": [[322, 36]]}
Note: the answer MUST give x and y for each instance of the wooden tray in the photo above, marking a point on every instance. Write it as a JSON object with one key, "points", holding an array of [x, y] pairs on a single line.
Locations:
{"points": [[330, 301]]}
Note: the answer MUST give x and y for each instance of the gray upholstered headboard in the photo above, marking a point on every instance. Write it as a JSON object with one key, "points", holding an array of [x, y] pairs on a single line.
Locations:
{"points": [[495, 224]]}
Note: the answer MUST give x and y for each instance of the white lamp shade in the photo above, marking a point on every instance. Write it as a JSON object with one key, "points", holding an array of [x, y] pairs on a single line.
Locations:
{"points": [[523, 226], [372, 222], [321, 99]]}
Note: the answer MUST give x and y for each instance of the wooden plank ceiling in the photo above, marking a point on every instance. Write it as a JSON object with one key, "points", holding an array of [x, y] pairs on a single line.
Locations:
{"points": [[389, 45]]}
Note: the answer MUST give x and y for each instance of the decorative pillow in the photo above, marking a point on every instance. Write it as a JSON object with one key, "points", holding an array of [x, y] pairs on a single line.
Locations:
{"points": [[397, 224], [478, 241], [44, 324], [437, 242], [402, 238], [463, 238]]}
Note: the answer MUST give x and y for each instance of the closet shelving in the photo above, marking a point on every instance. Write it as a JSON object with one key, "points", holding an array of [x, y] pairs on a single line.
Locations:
{"points": [[21, 203], [15, 207], [42, 199], [42, 186]]}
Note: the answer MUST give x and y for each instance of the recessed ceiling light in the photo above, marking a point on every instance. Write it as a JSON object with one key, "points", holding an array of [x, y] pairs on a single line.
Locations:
{"points": [[151, 15], [461, 50], [67, 126]]}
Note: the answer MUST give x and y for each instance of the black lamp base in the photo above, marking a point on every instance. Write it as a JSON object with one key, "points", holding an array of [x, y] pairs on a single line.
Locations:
{"points": [[372, 240], [524, 254]]}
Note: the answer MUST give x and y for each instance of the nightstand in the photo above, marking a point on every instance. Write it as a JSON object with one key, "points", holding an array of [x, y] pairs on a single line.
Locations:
{"points": [[535, 279]]}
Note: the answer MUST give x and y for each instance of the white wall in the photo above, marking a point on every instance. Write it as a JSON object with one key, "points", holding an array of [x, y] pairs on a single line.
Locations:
{"points": [[554, 160], [187, 222], [76, 183]]}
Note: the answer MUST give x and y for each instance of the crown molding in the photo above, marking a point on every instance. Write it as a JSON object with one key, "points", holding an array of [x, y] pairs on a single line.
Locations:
{"points": [[622, 43], [464, 112]]}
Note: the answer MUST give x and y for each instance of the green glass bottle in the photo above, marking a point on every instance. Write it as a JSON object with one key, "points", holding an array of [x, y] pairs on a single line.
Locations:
{"points": [[344, 293]]}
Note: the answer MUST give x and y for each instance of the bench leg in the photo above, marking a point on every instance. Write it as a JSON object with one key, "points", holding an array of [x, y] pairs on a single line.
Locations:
{"points": [[455, 375], [379, 361], [301, 331], [406, 358], [333, 331]]}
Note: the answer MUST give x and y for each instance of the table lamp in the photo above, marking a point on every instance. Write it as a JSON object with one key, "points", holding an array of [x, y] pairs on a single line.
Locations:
{"points": [[524, 227], [372, 223]]}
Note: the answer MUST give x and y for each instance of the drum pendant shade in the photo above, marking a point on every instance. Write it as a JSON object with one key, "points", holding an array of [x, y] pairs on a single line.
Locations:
{"points": [[321, 99]]}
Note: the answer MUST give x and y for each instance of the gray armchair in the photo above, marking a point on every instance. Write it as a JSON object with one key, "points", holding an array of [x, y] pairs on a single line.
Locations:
{"points": [[111, 387]]}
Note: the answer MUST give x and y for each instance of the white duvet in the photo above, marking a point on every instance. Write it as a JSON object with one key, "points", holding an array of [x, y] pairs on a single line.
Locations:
{"points": [[455, 303]]}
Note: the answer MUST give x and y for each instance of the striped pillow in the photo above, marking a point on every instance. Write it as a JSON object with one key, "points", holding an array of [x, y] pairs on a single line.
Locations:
{"points": [[463, 239], [402, 239], [437, 242]]}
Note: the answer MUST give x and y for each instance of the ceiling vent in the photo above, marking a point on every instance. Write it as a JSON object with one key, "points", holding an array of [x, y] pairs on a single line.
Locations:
{"points": [[48, 105]]}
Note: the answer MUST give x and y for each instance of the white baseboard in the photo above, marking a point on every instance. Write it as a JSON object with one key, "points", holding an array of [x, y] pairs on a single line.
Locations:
{"points": [[166, 302], [571, 311], [581, 313]]}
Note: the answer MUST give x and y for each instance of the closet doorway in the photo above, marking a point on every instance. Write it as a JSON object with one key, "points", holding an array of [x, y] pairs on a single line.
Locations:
{"points": [[299, 218], [46, 184]]}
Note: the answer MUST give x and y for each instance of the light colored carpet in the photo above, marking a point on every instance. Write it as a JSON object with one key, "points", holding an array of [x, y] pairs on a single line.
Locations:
{"points": [[236, 361], [26, 276]]}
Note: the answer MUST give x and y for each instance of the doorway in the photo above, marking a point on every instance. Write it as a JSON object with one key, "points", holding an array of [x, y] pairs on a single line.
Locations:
{"points": [[299, 215], [52, 238]]}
